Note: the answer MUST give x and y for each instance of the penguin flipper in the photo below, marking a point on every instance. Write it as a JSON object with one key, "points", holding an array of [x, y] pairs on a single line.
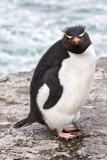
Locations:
{"points": [[52, 100], [52, 81], [24, 122]]}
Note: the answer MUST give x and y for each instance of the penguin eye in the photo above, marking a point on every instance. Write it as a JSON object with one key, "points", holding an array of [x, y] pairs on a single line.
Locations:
{"points": [[81, 37], [69, 39]]}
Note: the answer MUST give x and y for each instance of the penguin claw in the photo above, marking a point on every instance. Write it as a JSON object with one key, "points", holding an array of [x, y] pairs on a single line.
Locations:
{"points": [[70, 128], [66, 135]]}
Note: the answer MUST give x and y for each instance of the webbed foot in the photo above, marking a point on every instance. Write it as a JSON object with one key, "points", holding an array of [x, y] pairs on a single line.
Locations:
{"points": [[66, 135], [70, 128]]}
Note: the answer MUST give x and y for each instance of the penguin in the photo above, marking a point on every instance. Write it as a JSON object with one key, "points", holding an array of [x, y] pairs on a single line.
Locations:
{"points": [[61, 82]]}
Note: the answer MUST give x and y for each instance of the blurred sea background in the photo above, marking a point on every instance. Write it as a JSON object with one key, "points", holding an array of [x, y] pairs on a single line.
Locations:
{"points": [[29, 27]]}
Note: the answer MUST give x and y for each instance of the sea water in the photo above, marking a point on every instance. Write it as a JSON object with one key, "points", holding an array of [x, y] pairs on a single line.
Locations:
{"points": [[29, 27]]}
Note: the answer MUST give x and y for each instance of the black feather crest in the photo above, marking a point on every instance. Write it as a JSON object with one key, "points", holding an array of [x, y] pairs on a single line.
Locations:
{"points": [[74, 31]]}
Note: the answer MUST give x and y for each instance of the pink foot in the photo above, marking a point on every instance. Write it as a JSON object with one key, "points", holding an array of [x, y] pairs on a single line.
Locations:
{"points": [[65, 135], [70, 128]]}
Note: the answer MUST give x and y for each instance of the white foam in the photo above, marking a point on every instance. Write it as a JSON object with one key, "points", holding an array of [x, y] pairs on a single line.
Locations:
{"points": [[29, 27]]}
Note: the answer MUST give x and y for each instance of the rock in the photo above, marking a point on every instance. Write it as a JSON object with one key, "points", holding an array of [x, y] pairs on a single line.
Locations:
{"points": [[37, 142]]}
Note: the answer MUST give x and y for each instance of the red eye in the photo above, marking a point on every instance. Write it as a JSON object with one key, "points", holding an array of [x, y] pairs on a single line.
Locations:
{"points": [[69, 40]]}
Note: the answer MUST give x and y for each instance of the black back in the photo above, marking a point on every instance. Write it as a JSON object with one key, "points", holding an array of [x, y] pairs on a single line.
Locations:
{"points": [[47, 72]]}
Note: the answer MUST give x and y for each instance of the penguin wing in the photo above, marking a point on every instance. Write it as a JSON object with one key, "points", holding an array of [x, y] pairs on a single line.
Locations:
{"points": [[52, 81]]}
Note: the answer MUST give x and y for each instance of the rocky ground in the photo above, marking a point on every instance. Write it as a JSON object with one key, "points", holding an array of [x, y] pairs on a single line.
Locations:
{"points": [[37, 142]]}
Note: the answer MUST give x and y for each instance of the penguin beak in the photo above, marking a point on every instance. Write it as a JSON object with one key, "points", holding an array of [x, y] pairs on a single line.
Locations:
{"points": [[76, 40]]}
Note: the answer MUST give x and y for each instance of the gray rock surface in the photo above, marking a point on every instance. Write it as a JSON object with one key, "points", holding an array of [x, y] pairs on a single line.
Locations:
{"points": [[37, 142]]}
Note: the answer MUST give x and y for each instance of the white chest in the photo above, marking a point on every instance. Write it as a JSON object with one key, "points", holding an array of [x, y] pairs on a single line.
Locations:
{"points": [[75, 75]]}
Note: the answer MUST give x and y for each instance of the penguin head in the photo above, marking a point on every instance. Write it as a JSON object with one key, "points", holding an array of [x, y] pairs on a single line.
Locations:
{"points": [[76, 39]]}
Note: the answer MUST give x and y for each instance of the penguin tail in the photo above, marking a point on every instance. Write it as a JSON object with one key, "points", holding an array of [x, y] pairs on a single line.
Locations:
{"points": [[25, 122]]}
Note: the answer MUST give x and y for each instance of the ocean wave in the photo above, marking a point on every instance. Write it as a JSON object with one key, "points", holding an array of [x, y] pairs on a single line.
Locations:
{"points": [[29, 27]]}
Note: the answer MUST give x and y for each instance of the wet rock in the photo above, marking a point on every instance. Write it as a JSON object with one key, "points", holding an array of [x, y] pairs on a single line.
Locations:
{"points": [[37, 142]]}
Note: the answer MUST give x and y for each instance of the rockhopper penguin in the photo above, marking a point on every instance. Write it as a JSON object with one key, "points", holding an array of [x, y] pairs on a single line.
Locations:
{"points": [[61, 82]]}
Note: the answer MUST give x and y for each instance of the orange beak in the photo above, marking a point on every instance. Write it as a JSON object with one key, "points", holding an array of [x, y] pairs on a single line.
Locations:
{"points": [[76, 40]]}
